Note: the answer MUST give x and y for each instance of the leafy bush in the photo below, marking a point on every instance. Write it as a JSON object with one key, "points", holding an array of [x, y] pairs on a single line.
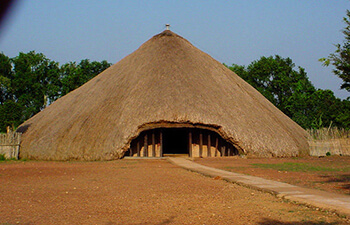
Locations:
{"points": [[2, 157]]}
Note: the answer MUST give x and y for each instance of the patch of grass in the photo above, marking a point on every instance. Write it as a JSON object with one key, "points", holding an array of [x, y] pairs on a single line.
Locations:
{"points": [[300, 167], [2, 157], [234, 168]]}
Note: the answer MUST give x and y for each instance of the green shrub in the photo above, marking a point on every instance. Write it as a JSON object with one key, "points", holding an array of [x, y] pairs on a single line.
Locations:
{"points": [[2, 157]]}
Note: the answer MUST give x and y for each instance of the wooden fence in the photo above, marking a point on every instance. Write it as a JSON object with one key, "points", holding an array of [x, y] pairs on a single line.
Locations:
{"points": [[9, 144], [333, 141]]}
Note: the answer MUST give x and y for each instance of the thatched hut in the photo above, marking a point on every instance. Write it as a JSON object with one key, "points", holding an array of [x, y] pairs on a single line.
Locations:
{"points": [[167, 97]]}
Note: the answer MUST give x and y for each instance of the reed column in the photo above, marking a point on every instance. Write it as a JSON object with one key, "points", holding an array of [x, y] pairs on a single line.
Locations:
{"points": [[138, 147], [209, 146], [153, 145], [216, 146], [200, 143], [145, 144], [190, 143], [161, 143]]}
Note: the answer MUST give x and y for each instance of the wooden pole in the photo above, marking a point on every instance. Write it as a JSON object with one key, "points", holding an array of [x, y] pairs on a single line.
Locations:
{"points": [[190, 143], [200, 143], [153, 145], [223, 148], [216, 146], [228, 150], [161, 143], [209, 146], [138, 147], [130, 151], [145, 146]]}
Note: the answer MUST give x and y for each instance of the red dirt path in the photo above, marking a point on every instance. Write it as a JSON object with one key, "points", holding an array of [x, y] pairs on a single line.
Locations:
{"points": [[137, 192]]}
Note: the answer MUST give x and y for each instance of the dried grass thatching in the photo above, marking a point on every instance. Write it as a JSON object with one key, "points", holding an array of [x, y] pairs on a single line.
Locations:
{"points": [[334, 141], [166, 82]]}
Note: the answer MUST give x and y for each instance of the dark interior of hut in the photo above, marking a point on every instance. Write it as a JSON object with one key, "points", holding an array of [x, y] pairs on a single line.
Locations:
{"points": [[175, 141], [193, 142]]}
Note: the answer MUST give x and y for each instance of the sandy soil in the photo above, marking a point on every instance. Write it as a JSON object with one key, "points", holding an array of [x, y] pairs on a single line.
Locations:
{"points": [[336, 178], [137, 192]]}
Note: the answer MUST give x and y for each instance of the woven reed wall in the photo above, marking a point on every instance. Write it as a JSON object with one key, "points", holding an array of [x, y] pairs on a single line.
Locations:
{"points": [[335, 141], [9, 144]]}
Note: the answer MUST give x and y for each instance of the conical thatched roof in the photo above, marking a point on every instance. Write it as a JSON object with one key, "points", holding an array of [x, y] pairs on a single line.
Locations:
{"points": [[166, 81]]}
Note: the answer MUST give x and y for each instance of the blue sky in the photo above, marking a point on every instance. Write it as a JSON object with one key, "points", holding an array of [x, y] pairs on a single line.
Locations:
{"points": [[233, 31]]}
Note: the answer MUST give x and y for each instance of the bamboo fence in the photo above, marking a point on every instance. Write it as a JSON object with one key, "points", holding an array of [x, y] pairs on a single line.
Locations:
{"points": [[333, 141], [10, 144]]}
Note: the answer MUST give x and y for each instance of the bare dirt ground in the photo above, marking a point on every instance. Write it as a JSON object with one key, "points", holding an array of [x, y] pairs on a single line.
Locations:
{"points": [[137, 192], [331, 173]]}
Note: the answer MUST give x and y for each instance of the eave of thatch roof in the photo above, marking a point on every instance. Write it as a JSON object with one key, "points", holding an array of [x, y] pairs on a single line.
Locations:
{"points": [[166, 81]]}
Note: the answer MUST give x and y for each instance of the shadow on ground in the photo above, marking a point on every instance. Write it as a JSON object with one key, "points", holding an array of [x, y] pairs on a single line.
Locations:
{"points": [[267, 221], [342, 180], [166, 221]]}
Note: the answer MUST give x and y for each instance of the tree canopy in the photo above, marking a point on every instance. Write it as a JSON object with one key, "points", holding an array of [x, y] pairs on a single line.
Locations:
{"points": [[30, 82], [341, 57], [74, 75], [290, 90]]}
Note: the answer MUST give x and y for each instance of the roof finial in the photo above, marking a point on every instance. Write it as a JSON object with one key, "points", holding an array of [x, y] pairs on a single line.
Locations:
{"points": [[167, 26]]}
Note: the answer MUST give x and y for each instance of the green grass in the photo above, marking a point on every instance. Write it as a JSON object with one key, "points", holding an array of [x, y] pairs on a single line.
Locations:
{"points": [[300, 167], [2, 157], [234, 168]]}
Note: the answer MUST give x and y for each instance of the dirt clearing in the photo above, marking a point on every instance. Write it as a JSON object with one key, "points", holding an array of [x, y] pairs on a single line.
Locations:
{"points": [[136, 192]]}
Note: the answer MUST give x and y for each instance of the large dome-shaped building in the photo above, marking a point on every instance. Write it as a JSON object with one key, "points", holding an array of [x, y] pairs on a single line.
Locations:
{"points": [[167, 97]]}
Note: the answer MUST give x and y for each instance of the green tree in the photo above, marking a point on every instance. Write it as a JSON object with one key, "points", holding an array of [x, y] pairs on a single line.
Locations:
{"points": [[341, 57], [276, 78], [74, 75], [299, 107], [10, 115], [290, 90], [343, 116], [35, 82], [324, 108], [30, 82], [5, 77]]}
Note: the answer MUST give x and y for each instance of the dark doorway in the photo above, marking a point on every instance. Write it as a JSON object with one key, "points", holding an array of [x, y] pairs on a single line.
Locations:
{"points": [[175, 141], [193, 142]]}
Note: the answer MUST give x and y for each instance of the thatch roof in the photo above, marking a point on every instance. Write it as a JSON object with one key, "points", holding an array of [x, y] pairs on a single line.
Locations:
{"points": [[166, 82]]}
